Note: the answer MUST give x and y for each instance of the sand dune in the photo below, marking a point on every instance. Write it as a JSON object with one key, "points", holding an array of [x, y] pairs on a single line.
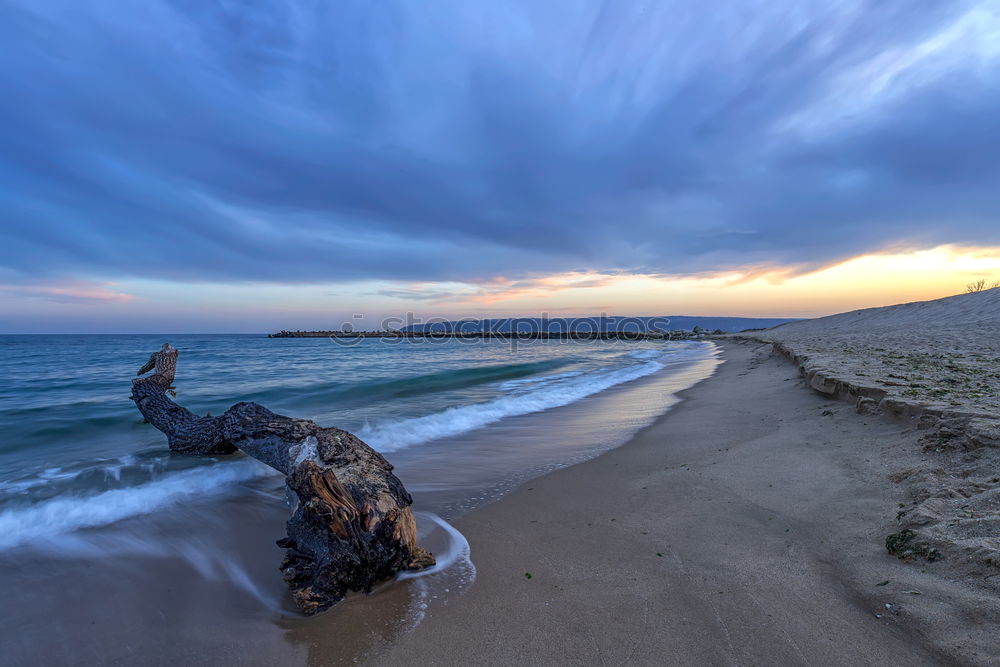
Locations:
{"points": [[930, 358], [960, 310], [935, 365]]}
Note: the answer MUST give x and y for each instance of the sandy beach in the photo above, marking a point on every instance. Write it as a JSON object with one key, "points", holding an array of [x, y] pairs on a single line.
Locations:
{"points": [[744, 519], [560, 332], [746, 526]]}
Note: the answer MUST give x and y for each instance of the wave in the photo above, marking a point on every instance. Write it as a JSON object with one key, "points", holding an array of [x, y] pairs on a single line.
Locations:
{"points": [[646, 354], [453, 421], [454, 379], [49, 426], [544, 379], [68, 513], [340, 394]]}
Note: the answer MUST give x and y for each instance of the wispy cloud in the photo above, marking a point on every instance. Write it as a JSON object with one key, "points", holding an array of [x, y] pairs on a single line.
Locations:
{"points": [[494, 289], [425, 293], [78, 292]]}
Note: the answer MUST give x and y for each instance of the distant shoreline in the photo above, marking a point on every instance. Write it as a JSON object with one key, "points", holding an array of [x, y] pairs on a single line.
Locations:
{"points": [[505, 335]]}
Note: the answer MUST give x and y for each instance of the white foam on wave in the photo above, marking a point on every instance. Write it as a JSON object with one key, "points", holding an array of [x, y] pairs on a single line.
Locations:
{"points": [[457, 551], [452, 574], [68, 513], [111, 468], [453, 421]]}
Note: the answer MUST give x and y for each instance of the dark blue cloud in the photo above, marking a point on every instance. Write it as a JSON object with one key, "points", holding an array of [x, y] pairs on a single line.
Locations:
{"points": [[323, 141]]}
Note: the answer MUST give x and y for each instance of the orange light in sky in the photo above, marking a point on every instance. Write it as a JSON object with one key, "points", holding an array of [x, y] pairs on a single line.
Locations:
{"points": [[860, 282]]}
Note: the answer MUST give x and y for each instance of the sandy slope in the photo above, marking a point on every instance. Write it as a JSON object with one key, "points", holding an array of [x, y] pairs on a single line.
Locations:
{"points": [[745, 527], [944, 353], [936, 365], [962, 309]]}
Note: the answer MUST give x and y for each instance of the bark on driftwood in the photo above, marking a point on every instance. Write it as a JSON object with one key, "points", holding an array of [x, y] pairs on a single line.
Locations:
{"points": [[351, 525]]}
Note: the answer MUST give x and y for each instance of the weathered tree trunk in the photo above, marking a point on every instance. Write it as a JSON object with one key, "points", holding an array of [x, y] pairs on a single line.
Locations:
{"points": [[351, 523], [185, 431]]}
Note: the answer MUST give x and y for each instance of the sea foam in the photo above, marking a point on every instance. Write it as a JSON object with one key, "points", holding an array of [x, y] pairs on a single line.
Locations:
{"points": [[396, 435], [67, 513]]}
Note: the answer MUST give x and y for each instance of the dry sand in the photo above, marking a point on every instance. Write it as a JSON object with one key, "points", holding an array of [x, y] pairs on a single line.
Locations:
{"points": [[936, 365], [746, 526], [943, 353]]}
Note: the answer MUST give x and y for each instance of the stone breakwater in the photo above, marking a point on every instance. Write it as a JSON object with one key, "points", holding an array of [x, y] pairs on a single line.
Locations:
{"points": [[503, 335]]}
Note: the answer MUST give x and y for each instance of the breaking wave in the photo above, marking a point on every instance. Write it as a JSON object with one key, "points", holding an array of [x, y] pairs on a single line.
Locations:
{"points": [[454, 421], [68, 513]]}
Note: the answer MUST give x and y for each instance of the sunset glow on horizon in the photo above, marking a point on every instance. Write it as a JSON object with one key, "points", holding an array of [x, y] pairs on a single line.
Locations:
{"points": [[246, 167], [154, 307]]}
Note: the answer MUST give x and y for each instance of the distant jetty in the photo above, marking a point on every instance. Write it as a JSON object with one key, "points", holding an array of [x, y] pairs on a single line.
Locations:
{"points": [[601, 327], [506, 335]]}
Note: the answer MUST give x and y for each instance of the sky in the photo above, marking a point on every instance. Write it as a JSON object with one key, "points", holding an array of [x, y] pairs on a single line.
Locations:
{"points": [[252, 165]]}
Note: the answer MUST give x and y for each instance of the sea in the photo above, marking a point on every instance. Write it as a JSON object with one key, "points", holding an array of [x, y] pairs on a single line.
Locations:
{"points": [[113, 549]]}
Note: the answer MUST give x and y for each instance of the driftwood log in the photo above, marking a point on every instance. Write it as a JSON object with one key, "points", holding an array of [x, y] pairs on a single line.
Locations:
{"points": [[351, 524]]}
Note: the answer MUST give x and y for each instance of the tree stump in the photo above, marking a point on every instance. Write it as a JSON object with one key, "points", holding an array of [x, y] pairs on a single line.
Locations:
{"points": [[351, 525]]}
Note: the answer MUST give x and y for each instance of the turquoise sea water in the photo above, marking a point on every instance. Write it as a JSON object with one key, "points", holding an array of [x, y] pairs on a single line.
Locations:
{"points": [[70, 431]]}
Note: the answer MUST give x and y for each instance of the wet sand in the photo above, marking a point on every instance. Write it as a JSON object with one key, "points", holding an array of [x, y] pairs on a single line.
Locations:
{"points": [[746, 526]]}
